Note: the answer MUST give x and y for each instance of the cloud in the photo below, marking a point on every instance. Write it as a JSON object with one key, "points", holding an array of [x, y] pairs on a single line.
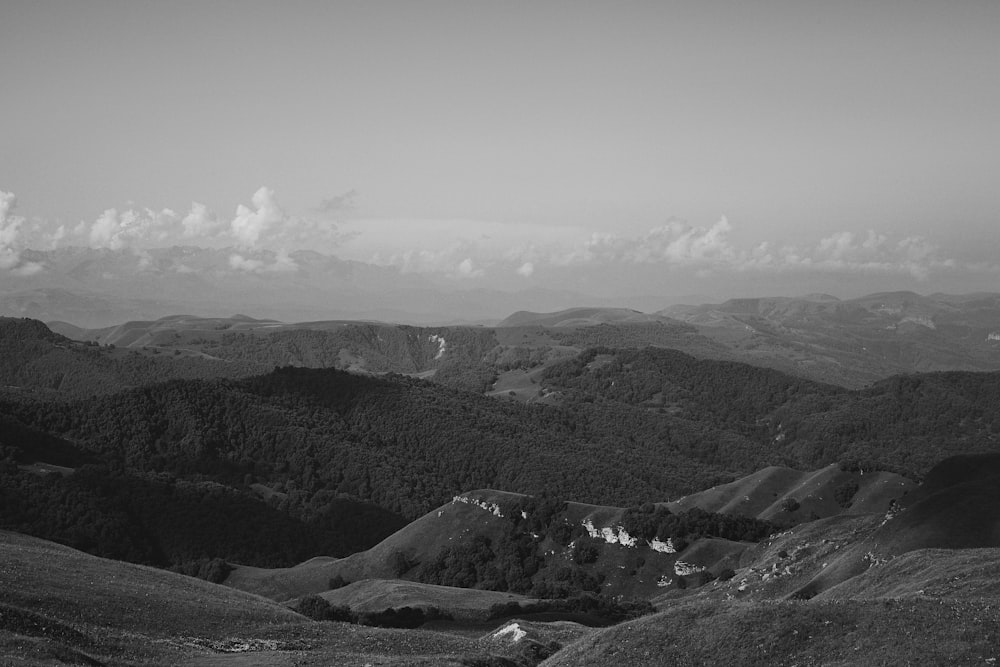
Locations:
{"points": [[280, 262], [467, 249], [268, 225], [10, 232], [132, 228], [263, 225], [250, 224], [201, 223], [468, 269], [263, 234], [868, 253], [340, 203], [675, 243]]}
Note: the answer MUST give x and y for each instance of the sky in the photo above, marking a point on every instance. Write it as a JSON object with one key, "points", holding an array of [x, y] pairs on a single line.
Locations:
{"points": [[717, 148]]}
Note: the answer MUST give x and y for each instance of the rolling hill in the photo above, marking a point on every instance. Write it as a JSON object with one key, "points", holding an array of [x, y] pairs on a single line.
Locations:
{"points": [[61, 606], [853, 342], [579, 317], [627, 564]]}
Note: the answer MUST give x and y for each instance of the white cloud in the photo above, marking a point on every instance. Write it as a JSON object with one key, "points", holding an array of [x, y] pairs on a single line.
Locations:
{"points": [[201, 223], [265, 225], [10, 232], [241, 263], [281, 263], [263, 234], [674, 243], [250, 224], [468, 269], [868, 253], [132, 228]]}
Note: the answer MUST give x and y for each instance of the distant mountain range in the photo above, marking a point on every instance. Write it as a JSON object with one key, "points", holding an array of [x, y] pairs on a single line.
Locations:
{"points": [[100, 287]]}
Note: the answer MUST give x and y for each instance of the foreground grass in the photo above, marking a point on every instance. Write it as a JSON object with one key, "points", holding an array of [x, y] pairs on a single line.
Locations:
{"points": [[915, 631]]}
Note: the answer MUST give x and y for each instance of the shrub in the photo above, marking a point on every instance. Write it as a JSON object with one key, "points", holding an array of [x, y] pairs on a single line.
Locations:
{"points": [[585, 551], [790, 504]]}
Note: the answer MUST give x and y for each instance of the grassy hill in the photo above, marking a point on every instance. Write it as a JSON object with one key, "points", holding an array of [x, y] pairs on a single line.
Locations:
{"points": [[854, 342], [36, 361], [767, 494], [61, 606], [617, 563], [462, 604], [877, 632], [577, 317]]}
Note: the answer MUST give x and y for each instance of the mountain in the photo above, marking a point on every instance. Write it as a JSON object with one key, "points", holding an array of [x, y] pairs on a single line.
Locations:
{"points": [[869, 580], [578, 317], [855, 341], [61, 606], [96, 288], [625, 561], [683, 499], [624, 426], [34, 358]]}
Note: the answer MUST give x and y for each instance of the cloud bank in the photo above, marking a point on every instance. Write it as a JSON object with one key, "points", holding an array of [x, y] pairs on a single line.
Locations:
{"points": [[262, 235], [673, 247], [10, 232]]}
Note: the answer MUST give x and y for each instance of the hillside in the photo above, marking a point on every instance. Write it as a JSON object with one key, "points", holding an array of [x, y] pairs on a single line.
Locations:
{"points": [[853, 342], [78, 608], [795, 633], [768, 493], [850, 343], [824, 589], [34, 359], [627, 426], [52, 489], [623, 559], [61, 606], [868, 580], [461, 604], [578, 317]]}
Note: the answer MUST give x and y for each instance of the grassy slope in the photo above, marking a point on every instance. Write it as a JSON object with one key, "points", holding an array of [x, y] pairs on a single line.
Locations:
{"points": [[935, 573], [762, 493], [59, 606], [759, 494], [380, 594], [419, 540], [887, 632], [57, 597]]}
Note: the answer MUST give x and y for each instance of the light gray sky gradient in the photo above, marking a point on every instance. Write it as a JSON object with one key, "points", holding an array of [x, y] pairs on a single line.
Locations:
{"points": [[797, 120]]}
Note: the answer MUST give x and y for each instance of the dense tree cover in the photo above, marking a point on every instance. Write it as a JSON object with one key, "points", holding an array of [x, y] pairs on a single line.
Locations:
{"points": [[188, 526], [676, 335], [384, 347], [904, 423], [33, 357], [405, 444], [318, 609], [633, 425], [649, 521], [530, 554], [604, 609], [720, 392]]}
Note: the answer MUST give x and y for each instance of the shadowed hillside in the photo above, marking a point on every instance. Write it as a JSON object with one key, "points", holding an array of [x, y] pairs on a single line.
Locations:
{"points": [[60, 606]]}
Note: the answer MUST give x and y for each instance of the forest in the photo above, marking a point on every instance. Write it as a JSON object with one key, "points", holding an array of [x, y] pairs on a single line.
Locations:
{"points": [[300, 450]]}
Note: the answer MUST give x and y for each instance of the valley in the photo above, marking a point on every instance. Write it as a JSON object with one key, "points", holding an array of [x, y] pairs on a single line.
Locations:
{"points": [[563, 488]]}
